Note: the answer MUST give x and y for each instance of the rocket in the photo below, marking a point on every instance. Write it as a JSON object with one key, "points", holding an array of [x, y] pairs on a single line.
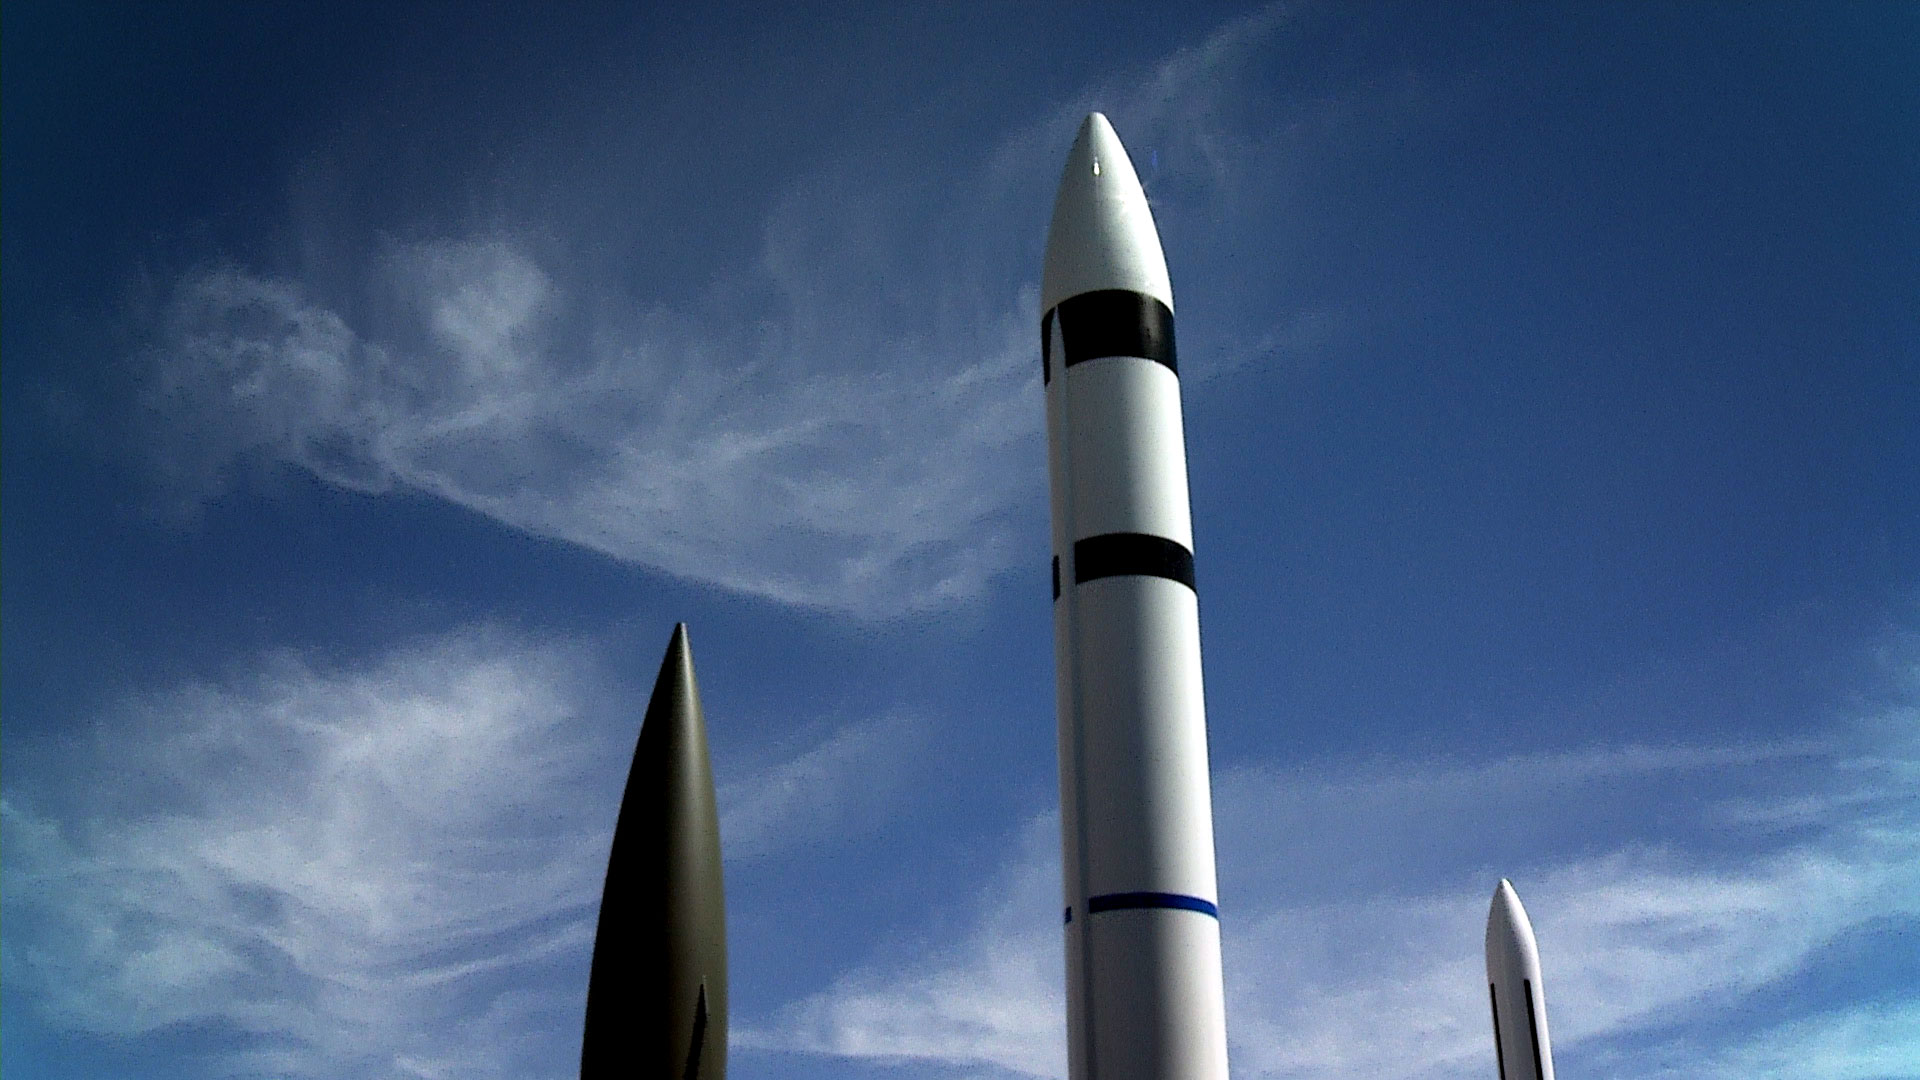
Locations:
{"points": [[1145, 998], [657, 993], [1519, 1002]]}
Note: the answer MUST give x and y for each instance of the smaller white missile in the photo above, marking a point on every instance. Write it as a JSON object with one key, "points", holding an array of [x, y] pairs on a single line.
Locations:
{"points": [[1519, 1002]]}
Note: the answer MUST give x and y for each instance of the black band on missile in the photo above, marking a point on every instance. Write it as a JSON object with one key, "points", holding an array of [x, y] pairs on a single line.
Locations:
{"points": [[1133, 901], [1108, 322], [1117, 554], [1069, 917]]}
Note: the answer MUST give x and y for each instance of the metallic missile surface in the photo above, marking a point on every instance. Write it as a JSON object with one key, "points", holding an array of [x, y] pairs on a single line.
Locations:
{"points": [[1144, 991], [657, 995], [1517, 998]]}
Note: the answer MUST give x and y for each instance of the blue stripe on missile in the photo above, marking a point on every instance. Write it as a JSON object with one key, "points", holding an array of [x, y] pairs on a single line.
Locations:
{"points": [[1109, 322], [1130, 901]]}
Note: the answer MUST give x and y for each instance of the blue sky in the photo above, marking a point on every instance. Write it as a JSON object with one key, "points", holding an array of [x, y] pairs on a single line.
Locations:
{"points": [[382, 384]]}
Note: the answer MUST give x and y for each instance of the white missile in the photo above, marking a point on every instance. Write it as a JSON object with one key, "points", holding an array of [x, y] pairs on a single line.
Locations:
{"points": [[1144, 992], [1518, 1000]]}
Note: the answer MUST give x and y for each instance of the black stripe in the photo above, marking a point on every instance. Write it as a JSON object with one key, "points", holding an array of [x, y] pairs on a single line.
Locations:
{"points": [[1533, 1028], [1069, 917], [1499, 1051], [1130, 901], [1114, 554], [1046, 348], [1056, 577], [1110, 322]]}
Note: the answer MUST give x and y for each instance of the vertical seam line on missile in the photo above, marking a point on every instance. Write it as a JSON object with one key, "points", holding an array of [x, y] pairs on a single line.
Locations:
{"points": [[1058, 402], [1133, 901], [1110, 322], [1122, 554], [1499, 1051], [1533, 1029], [1046, 349], [692, 1071]]}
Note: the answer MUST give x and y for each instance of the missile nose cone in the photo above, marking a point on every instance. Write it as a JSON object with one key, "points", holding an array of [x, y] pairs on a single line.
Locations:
{"points": [[1508, 930], [657, 990], [676, 669], [1523, 1049], [1102, 235]]}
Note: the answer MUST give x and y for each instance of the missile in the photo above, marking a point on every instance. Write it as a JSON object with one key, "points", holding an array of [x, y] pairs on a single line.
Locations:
{"points": [[1144, 992], [1518, 1000], [657, 992]]}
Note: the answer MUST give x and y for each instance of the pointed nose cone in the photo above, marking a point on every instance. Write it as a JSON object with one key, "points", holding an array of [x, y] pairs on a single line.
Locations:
{"points": [[657, 993], [1509, 933], [1523, 1048], [1102, 235], [676, 678]]}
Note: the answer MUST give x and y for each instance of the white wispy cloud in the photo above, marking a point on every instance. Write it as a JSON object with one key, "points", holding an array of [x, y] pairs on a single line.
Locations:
{"points": [[819, 791], [347, 868], [1367, 963], [989, 1000], [721, 457], [389, 868], [852, 423], [1634, 942], [1878, 1041]]}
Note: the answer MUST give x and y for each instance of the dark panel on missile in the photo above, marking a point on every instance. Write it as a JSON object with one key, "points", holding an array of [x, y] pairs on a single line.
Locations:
{"points": [[1119, 554], [1111, 322]]}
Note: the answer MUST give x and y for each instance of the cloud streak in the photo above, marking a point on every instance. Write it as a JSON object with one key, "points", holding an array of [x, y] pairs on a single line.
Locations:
{"points": [[348, 870], [388, 869], [713, 457], [821, 791], [1369, 964], [849, 421], [989, 1002], [1879, 1041]]}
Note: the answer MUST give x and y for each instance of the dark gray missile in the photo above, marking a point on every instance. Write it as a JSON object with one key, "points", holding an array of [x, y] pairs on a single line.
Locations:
{"points": [[657, 995]]}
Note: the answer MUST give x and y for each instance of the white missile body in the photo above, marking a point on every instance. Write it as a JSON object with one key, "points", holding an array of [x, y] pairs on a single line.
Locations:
{"points": [[1518, 1000], [1145, 999]]}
